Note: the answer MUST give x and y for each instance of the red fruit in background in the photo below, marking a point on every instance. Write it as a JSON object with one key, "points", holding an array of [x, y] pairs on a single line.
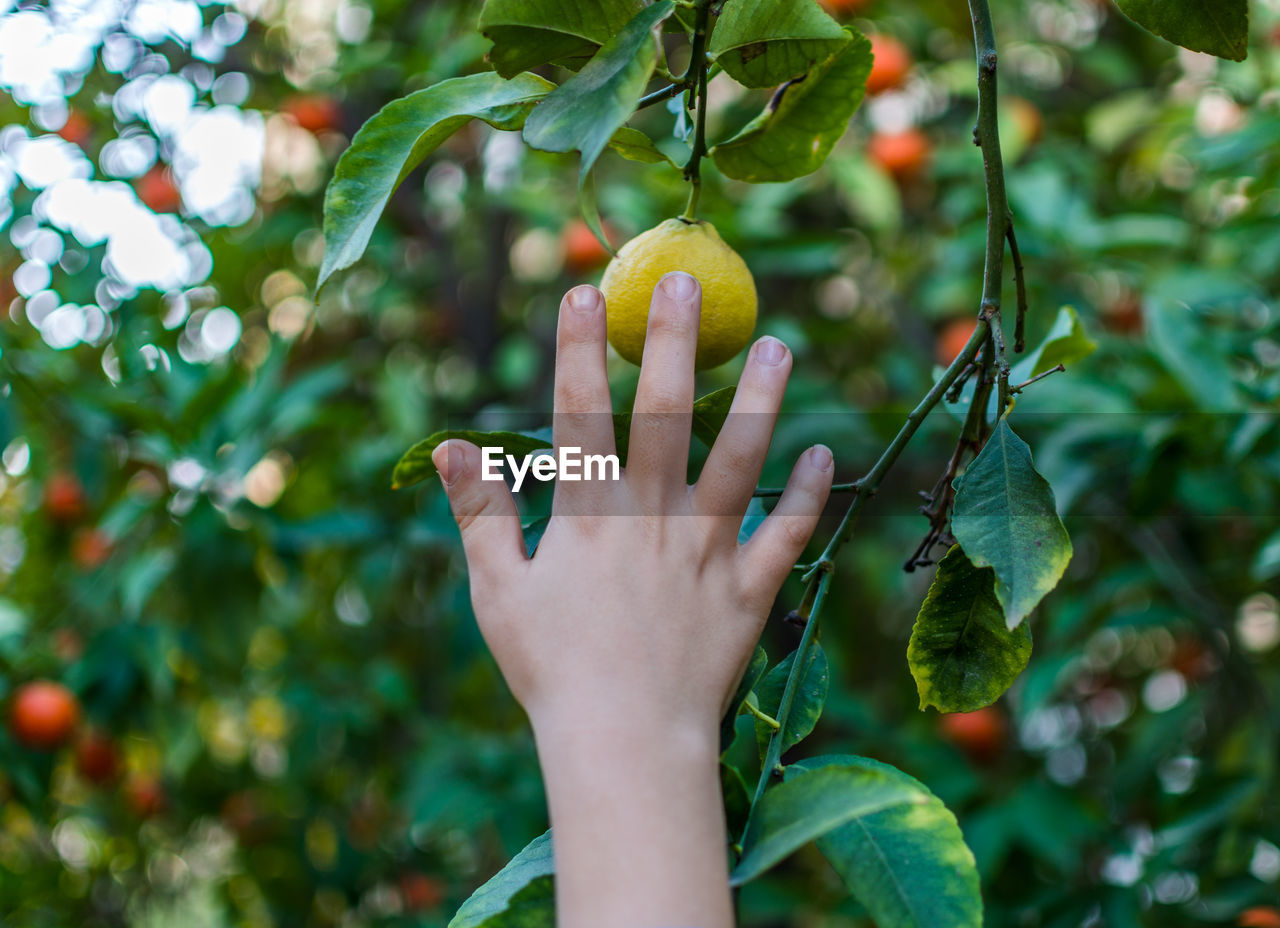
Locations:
{"points": [[902, 154], [314, 112], [891, 66], [64, 498], [158, 191], [77, 129], [844, 7], [1260, 916], [144, 795], [1124, 314], [90, 547], [43, 714], [952, 339], [980, 734], [582, 250], [97, 759], [420, 892]]}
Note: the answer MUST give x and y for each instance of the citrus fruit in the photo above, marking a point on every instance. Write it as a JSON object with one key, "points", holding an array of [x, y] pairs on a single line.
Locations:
{"points": [[901, 154], [980, 734], [891, 63], [43, 714], [582, 250], [728, 292], [952, 339], [64, 498], [97, 759]]}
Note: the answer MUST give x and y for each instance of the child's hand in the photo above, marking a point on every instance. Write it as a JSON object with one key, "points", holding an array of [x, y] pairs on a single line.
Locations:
{"points": [[626, 634]]}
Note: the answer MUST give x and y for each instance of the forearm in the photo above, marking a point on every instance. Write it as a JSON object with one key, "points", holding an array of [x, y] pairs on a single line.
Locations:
{"points": [[638, 826]]}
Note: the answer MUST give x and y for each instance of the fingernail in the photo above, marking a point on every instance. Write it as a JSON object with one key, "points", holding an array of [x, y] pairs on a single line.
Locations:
{"points": [[679, 286], [449, 461], [820, 457], [770, 351], [584, 299]]}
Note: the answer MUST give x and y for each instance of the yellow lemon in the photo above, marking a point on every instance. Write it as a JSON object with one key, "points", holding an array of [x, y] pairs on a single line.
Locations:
{"points": [[728, 292]]}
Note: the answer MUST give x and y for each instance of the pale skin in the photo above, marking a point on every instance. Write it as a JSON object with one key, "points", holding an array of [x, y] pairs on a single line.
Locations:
{"points": [[626, 635]]}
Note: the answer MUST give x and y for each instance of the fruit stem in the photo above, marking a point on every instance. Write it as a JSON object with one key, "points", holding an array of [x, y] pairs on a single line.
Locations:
{"points": [[695, 77]]}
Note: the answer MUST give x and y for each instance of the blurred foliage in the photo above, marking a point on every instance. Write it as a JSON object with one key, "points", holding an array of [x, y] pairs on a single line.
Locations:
{"points": [[280, 647]]}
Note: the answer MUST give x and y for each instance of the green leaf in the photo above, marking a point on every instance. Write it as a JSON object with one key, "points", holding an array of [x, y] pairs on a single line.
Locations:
{"points": [[529, 33], [397, 139], [809, 805], [634, 145], [520, 895], [752, 519], [1218, 27], [584, 112], [1005, 518], [811, 696], [765, 44], [961, 653], [416, 464], [908, 865], [710, 413], [755, 669], [803, 121], [1066, 343]]}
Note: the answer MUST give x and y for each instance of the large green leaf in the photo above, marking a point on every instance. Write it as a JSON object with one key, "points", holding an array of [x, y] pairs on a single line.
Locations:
{"points": [[1066, 343], [803, 122], [584, 112], [961, 653], [398, 138], [1219, 27], [765, 44], [529, 33], [520, 895], [908, 864], [416, 465], [808, 806], [811, 695], [1005, 517]]}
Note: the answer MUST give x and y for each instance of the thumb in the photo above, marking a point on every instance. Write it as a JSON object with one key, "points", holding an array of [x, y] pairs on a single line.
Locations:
{"points": [[484, 509]]}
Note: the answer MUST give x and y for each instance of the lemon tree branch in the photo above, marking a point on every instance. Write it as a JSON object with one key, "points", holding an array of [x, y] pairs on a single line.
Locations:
{"points": [[695, 77]]}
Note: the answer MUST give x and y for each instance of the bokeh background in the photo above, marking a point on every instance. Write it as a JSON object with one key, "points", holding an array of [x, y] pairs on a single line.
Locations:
{"points": [[288, 715]]}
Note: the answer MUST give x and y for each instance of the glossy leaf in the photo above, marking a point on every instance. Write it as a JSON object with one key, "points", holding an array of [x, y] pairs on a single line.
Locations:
{"points": [[533, 532], [416, 465], [584, 112], [1218, 27], [802, 123], [961, 653], [518, 895], [397, 139], [809, 805], [634, 145], [811, 696], [766, 44], [1005, 518], [908, 865], [1066, 343], [529, 33]]}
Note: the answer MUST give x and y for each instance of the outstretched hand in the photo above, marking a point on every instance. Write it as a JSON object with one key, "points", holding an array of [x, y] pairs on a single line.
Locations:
{"points": [[626, 635]]}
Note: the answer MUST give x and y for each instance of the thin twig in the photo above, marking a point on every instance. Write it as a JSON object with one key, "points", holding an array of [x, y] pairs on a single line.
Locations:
{"points": [[666, 93], [696, 73], [1058, 369], [769, 492]]}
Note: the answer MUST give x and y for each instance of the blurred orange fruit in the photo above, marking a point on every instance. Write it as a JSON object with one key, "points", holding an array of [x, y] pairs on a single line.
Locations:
{"points": [[844, 7], [77, 129], [891, 66], [64, 499], [158, 191], [902, 154], [90, 548], [952, 339], [314, 112], [582, 250], [97, 759], [43, 714], [1260, 916], [980, 734]]}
